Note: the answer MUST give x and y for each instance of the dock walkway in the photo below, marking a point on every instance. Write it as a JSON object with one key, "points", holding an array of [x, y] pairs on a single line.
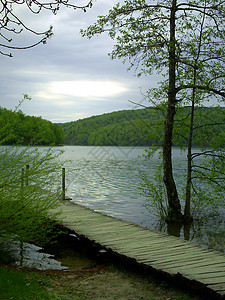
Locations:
{"points": [[162, 252]]}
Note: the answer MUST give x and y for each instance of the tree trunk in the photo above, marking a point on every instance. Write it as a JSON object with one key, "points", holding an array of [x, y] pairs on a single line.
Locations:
{"points": [[187, 209], [174, 213]]}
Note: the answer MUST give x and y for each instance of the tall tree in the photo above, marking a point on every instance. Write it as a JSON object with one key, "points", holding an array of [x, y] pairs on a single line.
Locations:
{"points": [[204, 74], [159, 36], [11, 23]]}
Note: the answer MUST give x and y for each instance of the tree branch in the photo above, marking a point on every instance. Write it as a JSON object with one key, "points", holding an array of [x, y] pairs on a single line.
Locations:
{"points": [[201, 87], [9, 16]]}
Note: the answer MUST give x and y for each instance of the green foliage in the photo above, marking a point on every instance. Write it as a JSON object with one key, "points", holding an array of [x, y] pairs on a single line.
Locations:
{"points": [[141, 31], [207, 185], [208, 129], [128, 127], [18, 129], [144, 127], [208, 181], [176, 40], [28, 195], [205, 166], [154, 189], [6, 256], [29, 177]]}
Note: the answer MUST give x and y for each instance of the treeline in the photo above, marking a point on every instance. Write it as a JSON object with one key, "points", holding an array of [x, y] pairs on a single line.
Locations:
{"points": [[18, 129], [144, 127], [117, 128]]}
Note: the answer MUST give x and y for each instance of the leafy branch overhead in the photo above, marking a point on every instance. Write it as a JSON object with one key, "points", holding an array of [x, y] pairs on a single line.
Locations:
{"points": [[11, 24], [141, 30]]}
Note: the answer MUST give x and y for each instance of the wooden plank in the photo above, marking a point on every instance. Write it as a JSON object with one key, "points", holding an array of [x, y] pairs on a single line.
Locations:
{"points": [[218, 287], [109, 227], [158, 250], [165, 255], [213, 280], [154, 246], [191, 269], [194, 267], [150, 241], [209, 275]]}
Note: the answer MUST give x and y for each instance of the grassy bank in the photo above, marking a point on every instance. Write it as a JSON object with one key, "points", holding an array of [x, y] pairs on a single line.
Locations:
{"points": [[18, 284], [103, 282]]}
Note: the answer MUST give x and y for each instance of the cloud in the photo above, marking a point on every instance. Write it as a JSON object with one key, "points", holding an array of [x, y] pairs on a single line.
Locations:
{"points": [[87, 88], [71, 77]]}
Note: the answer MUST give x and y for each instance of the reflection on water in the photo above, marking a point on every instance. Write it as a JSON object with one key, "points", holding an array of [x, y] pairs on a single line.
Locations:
{"points": [[67, 252], [75, 253], [107, 180], [30, 256], [209, 233]]}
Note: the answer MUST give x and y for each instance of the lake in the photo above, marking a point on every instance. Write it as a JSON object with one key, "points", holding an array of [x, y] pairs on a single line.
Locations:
{"points": [[107, 179]]}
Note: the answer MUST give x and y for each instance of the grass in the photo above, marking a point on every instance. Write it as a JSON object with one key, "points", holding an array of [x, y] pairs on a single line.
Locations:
{"points": [[15, 284], [100, 283]]}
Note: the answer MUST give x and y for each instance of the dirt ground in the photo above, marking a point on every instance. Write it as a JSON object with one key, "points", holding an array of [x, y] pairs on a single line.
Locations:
{"points": [[107, 282]]}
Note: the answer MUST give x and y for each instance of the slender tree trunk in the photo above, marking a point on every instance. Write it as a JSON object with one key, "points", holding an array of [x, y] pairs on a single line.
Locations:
{"points": [[174, 213], [187, 209]]}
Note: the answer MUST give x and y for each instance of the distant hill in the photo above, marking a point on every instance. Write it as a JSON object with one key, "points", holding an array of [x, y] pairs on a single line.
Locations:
{"points": [[19, 129], [144, 127]]}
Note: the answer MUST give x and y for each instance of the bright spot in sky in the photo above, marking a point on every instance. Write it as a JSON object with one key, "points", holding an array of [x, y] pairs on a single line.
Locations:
{"points": [[87, 88]]}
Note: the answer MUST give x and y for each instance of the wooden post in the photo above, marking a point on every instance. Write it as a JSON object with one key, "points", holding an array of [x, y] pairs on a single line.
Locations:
{"points": [[26, 174], [63, 183]]}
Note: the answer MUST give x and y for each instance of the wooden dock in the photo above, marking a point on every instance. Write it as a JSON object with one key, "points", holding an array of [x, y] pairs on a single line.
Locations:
{"points": [[169, 255]]}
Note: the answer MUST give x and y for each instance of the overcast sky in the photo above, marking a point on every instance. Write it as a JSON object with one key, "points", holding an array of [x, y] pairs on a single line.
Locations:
{"points": [[70, 77]]}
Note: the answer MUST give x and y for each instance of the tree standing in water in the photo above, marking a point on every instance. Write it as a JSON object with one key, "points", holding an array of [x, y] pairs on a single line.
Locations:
{"points": [[160, 36]]}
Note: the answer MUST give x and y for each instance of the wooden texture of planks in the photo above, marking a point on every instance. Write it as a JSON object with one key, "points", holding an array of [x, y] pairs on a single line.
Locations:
{"points": [[157, 250]]}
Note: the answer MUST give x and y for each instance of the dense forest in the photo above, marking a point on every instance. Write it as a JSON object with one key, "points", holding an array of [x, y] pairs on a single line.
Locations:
{"points": [[140, 127], [144, 127], [18, 129]]}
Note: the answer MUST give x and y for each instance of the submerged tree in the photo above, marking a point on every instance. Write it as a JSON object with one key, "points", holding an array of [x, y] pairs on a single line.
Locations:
{"points": [[159, 36], [205, 73], [11, 24]]}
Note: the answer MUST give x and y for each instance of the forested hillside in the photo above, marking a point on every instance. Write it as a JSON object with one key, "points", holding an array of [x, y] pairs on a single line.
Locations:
{"points": [[19, 129], [117, 128], [143, 127]]}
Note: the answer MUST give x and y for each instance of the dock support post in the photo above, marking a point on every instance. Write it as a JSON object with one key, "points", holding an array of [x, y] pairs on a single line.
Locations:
{"points": [[63, 183]]}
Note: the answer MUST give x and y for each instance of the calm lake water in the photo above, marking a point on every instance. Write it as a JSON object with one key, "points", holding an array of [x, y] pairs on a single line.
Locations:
{"points": [[107, 179]]}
